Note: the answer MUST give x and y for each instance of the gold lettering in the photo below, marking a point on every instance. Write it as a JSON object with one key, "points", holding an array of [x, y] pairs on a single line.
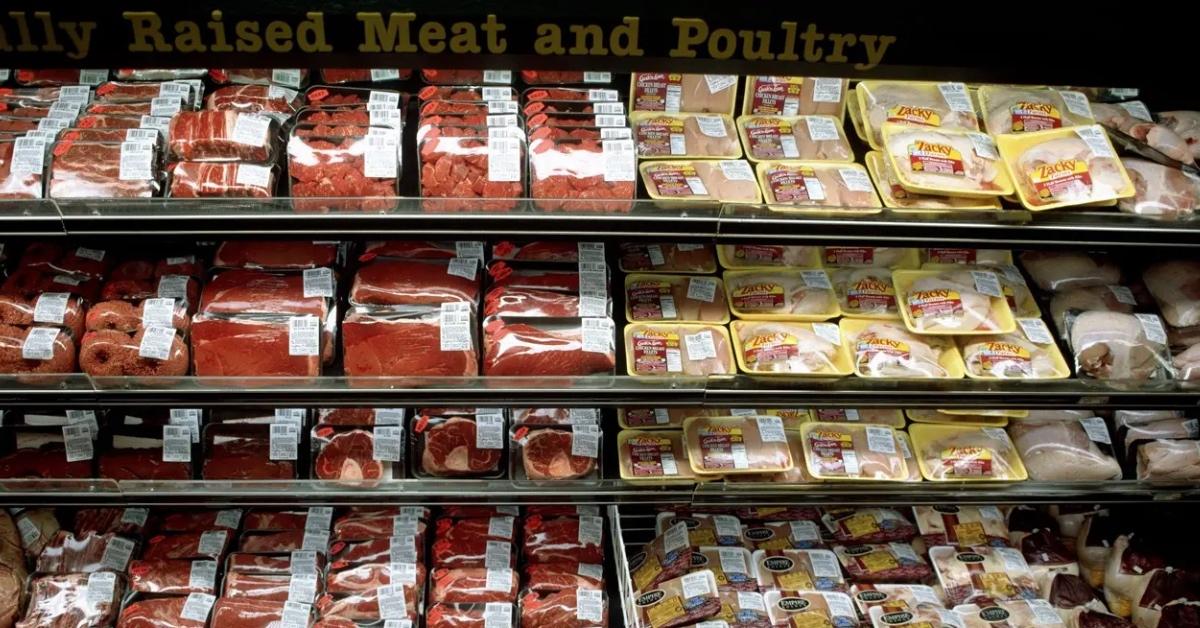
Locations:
{"points": [[463, 38], [51, 44], [220, 44], [395, 37], [876, 46], [496, 44], [247, 34], [26, 44], [147, 32], [187, 38], [310, 34], [623, 41], [840, 41], [431, 37], [549, 40], [80, 34], [810, 36], [761, 52], [279, 35], [722, 43], [589, 40], [789, 42], [691, 31]]}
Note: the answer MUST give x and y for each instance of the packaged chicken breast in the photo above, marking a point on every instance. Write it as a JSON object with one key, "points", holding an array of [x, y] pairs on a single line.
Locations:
{"points": [[969, 574], [871, 256], [687, 93], [961, 526], [896, 196], [730, 445], [783, 295], [957, 302], [865, 292], [799, 570], [653, 456], [789, 348], [810, 608], [1016, 292], [660, 418], [841, 451], [942, 417], [957, 257], [904, 444], [1064, 167], [810, 138], [1065, 449], [1161, 192], [855, 114], [950, 453], [887, 349], [668, 258], [918, 104], [740, 256], [662, 135], [1012, 356], [666, 350], [1012, 109], [945, 162], [817, 186], [1057, 271], [881, 416], [797, 475], [1118, 346], [883, 562], [795, 95], [724, 181], [683, 298]]}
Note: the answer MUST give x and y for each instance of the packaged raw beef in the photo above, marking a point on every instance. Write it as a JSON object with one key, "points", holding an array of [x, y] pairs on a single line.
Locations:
{"points": [[326, 162], [1065, 448], [41, 453], [555, 453], [374, 75], [362, 578], [155, 612], [210, 544], [232, 612], [84, 553], [273, 587], [154, 351], [568, 608], [967, 575], [22, 163], [536, 251], [689, 93], [59, 76], [911, 103], [36, 350], [229, 347], [513, 301], [260, 76], [1160, 192], [730, 445], [1011, 109], [810, 138], [459, 446], [428, 343], [104, 170], [840, 451], [660, 418], [74, 600], [653, 456], [200, 520], [686, 135], [817, 186], [358, 455], [726, 181], [733, 567], [222, 136], [1064, 167], [1113, 345], [420, 249], [554, 577], [138, 454], [555, 77], [284, 541], [242, 452], [798, 570], [173, 576], [467, 77], [945, 162], [680, 298], [563, 539], [124, 521], [582, 175], [472, 585], [463, 168], [679, 601], [778, 347], [664, 349], [867, 525], [465, 93], [894, 597], [416, 282], [534, 347]]}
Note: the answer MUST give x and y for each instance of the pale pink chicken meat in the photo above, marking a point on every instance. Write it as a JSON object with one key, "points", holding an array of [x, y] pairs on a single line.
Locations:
{"points": [[1160, 191], [1104, 179], [890, 350], [928, 158], [1175, 286], [1185, 124], [911, 104], [1159, 136], [1113, 345], [949, 301], [779, 347]]}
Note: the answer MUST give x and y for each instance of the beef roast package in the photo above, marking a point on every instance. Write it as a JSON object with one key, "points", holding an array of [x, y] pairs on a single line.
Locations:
{"points": [[358, 455], [460, 446], [556, 453]]}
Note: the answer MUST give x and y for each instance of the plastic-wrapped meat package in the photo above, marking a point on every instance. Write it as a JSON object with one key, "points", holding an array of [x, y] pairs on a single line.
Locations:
{"points": [[349, 455], [955, 301], [272, 588], [271, 542], [363, 578], [786, 347], [104, 170], [73, 600], [554, 577], [840, 451], [810, 138], [1071, 594], [222, 136], [1173, 284], [582, 175], [563, 77], [138, 456], [407, 345], [1134, 428], [1065, 449], [871, 256], [1117, 346], [665, 349], [563, 539], [944, 105], [1137, 132], [895, 195], [953, 453], [668, 258], [695, 93], [1064, 167], [271, 100], [413, 249], [458, 446], [818, 608], [200, 521], [127, 521], [983, 613], [59, 76], [466, 77], [173, 576], [259, 76], [537, 251], [738, 256], [474, 542], [521, 301], [68, 553], [1011, 109], [894, 597], [247, 612], [686, 135], [354, 75], [720, 180], [473, 585], [1176, 460], [325, 162], [1012, 356], [25, 182], [471, 171], [41, 455], [1112, 298], [555, 453], [886, 349], [703, 528], [153, 351], [779, 535], [362, 608], [504, 276], [241, 453], [104, 121], [159, 612], [798, 570], [528, 348], [1047, 555], [1169, 599], [47, 308], [654, 456], [1058, 271], [210, 544], [818, 186], [654, 418], [867, 525], [969, 574], [415, 282], [1160, 192], [565, 609], [962, 526], [726, 445], [675, 297], [194, 179], [667, 556], [36, 350], [733, 567], [680, 601], [276, 254], [226, 347], [945, 162], [865, 292], [467, 615]]}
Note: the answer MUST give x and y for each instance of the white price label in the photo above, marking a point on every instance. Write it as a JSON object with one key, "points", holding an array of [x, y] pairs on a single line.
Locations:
{"points": [[29, 155], [381, 74], [388, 444], [165, 105], [498, 580], [141, 135], [675, 538], [502, 120], [804, 532], [666, 303], [392, 604], [318, 282], [1123, 295], [304, 336], [93, 77], [383, 100], [67, 280], [498, 615], [392, 118], [315, 541], [984, 145], [197, 607], [465, 267], [880, 440], [318, 518], [158, 312], [405, 525], [497, 93], [212, 543], [137, 162], [302, 561], [390, 416], [203, 575], [791, 150], [175, 89], [156, 342], [497, 76], [501, 527], [117, 553], [700, 346], [302, 587], [732, 560], [1153, 328], [229, 518], [615, 133], [50, 307], [855, 179], [504, 157], [77, 93], [589, 605], [1096, 430], [498, 555], [591, 530], [1036, 331], [678, 144], [1096, 139], [591, 571], [956, 97], [590, 252], [251, 129], [454, 320], [770, 429], [173, 287], [77, 440], [382, 157], [822, 129], [160, 124], [96, 255], [720, 82], [736, 170], [610, 121], [1044, 614], [1012, 559], [619, 160], [712, 126], [189, 418], [29, 531], [994, 433], [295, 615], [177, 443], [503, 106], [135, 517], [829, 332], [597, 77], [1137, 109], [605, 95], [288, 77], [987, 283], [53, 123], [597, 335], [402, 549], [1077, 103], [489, 431], [285, 441], [101, 587], [816, 279], [824, 564], [697, 585], [827, 89], [468, 249], [584, 442]]}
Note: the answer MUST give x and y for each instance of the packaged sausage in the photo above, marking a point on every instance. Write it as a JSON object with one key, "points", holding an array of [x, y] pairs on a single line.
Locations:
{"points": [[781, 535], [867, 525], [945, 162], [893, 597], [913, 103], [717, 180], [668, 258], [1064, 167], [665, 350], [887, 349], [953, 302], [1011, 109], [817, 186], [966, 575], [740, 256], [682, 601], [949, 453], [810, 608], [660, 418], [897, 197], [798, 570], [668, 556], [674, 93], [879, 562], [809, 138], [680, 298], [841, 451], [659, 135], [786, 348], [784, 294], [1012, 356], [733, 445], [984, 418], [883, 416], [730, 565], [653, 456], [865, 292], [873, 256]]}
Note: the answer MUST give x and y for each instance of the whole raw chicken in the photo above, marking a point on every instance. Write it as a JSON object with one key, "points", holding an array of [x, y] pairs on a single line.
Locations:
{"points": [[1060, 450], [1061, 270], [890, 350], [890, 102], [976, 174], [1175, 286], [1159, 136], [1160, 191], [1009, 356], [1100, 298], [1060, 153], [798, 297], [778, 347], [930, 302], [1185, 124], [1112, 345]]}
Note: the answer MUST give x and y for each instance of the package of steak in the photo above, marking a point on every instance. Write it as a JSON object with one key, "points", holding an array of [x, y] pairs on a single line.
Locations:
{"points": [[487, 166], [349, 580], [556, 416], [411, 283], [68, 552], [200, 520], [75, 599], [123, 521], [173, 576], [573, 105], [337, 76], [251, 452], [341, 97], [201, 179], [42, 451], [183, 611], [798, 570], [282, 345], [582, 608], [459, 446], [555, 453], [269, 519], [294, 78], [105, 170], [146, 92], [147, 453], [273, 587], [392, 601], [54, 257], [281, 542], [552, 577], [466, 93], [827, 608], [420, 341], [379, 525], [681, 601], [465, 615], [524, 346], [582, 175], [299, 561], [668, 556], [480, 542], [577, 539], [360, 417], [379, 550], [362, 456], [59, 77], [210, 544]]}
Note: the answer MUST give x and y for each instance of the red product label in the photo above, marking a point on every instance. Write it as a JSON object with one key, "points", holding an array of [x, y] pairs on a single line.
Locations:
{"points": [[646, 455], [765, 142], [673, 181], [758, 297], [951, 256], [758, 253], [646, 300], [719, 448], [849, 255], [870, 294], [651, 351], [935, 158], [935, 303], [1035, 116], [794, 185], [653, 90], [775, 95], [640, 417], [660, 137]]}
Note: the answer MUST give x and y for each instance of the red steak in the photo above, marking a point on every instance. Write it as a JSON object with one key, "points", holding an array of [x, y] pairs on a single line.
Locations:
{"points": [[522, 349], [546, 455], [247, 348], [468, 586], [411, 282], [159, 612], [347, 456], [510, 301], [449, 450], [376, 346], [275, 254]]}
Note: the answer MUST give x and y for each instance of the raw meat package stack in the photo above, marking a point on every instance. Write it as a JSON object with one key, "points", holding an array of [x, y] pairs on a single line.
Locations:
{"points": [[542, 452], [471, 142], [255, 447], [377, 565], [563, 568], [346, 143], [49, 445], [459, 442], [141, 324], [581, 151], [226, 153], [413, 316], [272, 313], [473, 577], [549, 317], [1158, 445]]}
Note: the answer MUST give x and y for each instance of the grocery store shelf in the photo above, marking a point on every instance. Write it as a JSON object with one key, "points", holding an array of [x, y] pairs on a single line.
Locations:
{"points": [[35, 219], [932, 493], [82, 391]]}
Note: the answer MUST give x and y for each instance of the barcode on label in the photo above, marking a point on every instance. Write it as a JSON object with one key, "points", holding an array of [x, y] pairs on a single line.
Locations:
{"points": [[116, 553], [251, 129], [504, 157], [101, 587], [284, 441], [855, 179], [50, 307], [584, 442], [288, 77], [589, 605], [389, 443], [497, 76], [77, 440], [1153, 328], [956, 97], [816, 279], [455, 326], [137, 162], [197, 607], [1096, 139], [177, 443], [304, 336], [1035, 330], [597, 335], [28, 155], [318, 282], [822, 129]]}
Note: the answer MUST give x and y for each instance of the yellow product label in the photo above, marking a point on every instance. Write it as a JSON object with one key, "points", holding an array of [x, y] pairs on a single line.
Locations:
{"points": [[997, 584], [935, 158], [702, 536], [1004, 359], [766, 349], [764, 513], [777, 543], [860, 525], [923, 116], [970, 533], [877, 562], [1063, 179], [967, 461], [665, 611], [795, 581], [758, 297], [646, 572], [934, 303], [1034, 116], [811, 619]]}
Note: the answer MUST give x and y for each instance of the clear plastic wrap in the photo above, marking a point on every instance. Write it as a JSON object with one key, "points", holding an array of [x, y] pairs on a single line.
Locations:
{"points": [[985, 613], [137, 454], [222, 136], [727, 445], [667, 258], [210, 544], [22, 179], [1160, 192], [840, 451], [798, 570], [260, 76], [664, 350], [674, 93], [810, 138], [887, 349], [779, 535], [353, 454], [1169, 460], [36, 350], [895, 196], [104, 170], [466, 77], [783, 294], [458, 446], [1010, 109], [775, 347], [276, 254], [941, 105], [1058, 271], [871, 256], [1064, 167], [556, 453], [961, 526], [999, 573], [727, 181], [686, 135], [536, 251], [660, 418], [193, 179], [328, 162], [653, 456], [409, 344], [73, 600], [271, 100], [242, 452], [1117, 346], [1170, 283], [739, 256], [582, 174], [1012, 356], [355, 75], [892, 598], [664, 606], [958, 453], [551, 610], [516, 301], [563, 539], [953, 302], [59, 76], [817, 186], [472, 171], [533, 347], [151, 351], [891, 562], [391, 282], [47, 308], [172, 576], [945, 162], [250, 347], [564, 77], [881, 416]]}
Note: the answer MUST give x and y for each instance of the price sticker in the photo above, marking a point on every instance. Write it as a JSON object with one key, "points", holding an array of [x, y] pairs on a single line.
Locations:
{"points": [[302, 587], [189, 417], [956, 97], [389, 443], [229, 518], [822, 129], [117, 553], [315, 541], [177, 443], [390, 416], [770, 429], [829, 332], [29, 155], [295, 615], [77, 440], [203, 575], [585, 442], [1096, 430], [304, 336], [392, 604], [1096, 139], [720, 82], [135, 517], [619, 160], [197, 607], [455, 326], [597, 335], [382, 157], [816, 279], [158, 311], [605, 96], [700, 346], [318, 518], [136, 162], [1036, 331], [288, 77], [497, 76], [489, 431], [212, 543], [380, 74], [173, 287], [156, 342], [318, 282], [285, 441], [987, 283], [101, 587], [598, 77]]}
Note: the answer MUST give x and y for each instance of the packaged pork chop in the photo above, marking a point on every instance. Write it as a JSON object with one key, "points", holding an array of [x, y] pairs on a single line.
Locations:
{"points": [[730, 445]]}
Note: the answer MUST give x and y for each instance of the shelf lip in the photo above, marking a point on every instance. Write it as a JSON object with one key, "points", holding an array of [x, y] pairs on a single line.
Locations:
{"points": [[935, 493]]}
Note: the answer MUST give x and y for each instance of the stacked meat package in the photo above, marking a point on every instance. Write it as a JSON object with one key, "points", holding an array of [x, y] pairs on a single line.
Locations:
{"points": [[270, 310], [940, 566]]}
